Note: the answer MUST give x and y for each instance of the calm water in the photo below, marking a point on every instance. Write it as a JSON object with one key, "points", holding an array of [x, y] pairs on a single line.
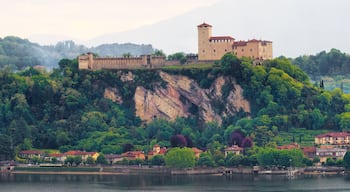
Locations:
{"points": [[108, 183]]}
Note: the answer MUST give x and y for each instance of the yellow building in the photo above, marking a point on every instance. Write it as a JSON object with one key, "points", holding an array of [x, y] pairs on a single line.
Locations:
{"points": [[333, 138], [214, 47]]}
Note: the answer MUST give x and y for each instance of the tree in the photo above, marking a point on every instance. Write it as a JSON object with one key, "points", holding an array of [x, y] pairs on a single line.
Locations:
{"points": [[247, 142], [236, 137], [77, 160], [346, 160], [231, 64], [90, 160], [101, 159], [180, 158], [178, 141], [206, 160], [157, 160]]}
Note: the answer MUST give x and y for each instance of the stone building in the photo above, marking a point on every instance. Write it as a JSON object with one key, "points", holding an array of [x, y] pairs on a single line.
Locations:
{"points": [[214, 47], [88, 61]]}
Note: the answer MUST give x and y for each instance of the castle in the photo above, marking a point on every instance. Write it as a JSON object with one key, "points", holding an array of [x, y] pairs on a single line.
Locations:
{"points": [[210, 48], [214, 47]]}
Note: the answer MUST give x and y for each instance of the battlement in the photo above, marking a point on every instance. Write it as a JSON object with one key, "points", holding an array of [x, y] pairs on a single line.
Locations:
{"points": [[88, 61]]}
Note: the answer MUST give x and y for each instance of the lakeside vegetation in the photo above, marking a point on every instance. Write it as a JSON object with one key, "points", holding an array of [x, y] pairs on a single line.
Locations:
{"points": [[65, 109]]}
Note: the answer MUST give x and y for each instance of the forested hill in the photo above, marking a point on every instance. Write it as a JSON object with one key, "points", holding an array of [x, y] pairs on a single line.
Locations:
{"points": [[330, 63], [20, 53], [74, 109]]}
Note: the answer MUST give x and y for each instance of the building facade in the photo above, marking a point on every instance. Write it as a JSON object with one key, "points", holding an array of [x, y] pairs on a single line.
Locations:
{"points": [[333, 138], [214, 47]]}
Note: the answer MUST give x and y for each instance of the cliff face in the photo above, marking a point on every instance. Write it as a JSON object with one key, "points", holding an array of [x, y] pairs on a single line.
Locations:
{"points": [[183, 97]]}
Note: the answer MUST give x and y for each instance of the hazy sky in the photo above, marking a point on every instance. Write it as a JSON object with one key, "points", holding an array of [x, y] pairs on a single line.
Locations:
{"points": [[296, 27], [85, 19]]}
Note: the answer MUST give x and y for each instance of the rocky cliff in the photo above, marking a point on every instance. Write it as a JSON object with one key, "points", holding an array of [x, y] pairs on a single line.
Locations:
{"points": [[183, 97]]}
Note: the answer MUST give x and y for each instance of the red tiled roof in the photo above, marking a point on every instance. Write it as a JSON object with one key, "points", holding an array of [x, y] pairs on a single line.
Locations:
{"points": [[132, 153], [77, 152], [240, 43], [215, 38], [31, 152], [56, 155], [204, 25], [290, 146], [334, 134], [196, 150], [309, 149]]}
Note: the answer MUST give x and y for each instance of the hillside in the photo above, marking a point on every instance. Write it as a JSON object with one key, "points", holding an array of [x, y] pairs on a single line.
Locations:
{"points": [[20, 53], [110, 110], [330, 67]]}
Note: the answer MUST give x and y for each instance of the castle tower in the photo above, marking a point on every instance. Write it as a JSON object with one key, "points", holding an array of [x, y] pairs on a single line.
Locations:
{"points": [[204, 34]]}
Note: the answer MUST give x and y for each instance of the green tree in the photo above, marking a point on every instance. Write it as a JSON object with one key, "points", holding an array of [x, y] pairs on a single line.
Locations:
{"points": [[101, 159], [157, 160], [77, 160], [90, 160], [206, 160], [230, 64], [180, 158], [346, 160]]}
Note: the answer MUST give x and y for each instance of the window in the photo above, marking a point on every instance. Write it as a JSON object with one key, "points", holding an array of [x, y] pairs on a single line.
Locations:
{"points": [[225, 50], [214, 50], [242, 50], [251, 50], [203, 50]]}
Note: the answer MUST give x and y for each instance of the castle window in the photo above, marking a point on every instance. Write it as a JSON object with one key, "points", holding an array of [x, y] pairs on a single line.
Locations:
{"points": [[203, 50], [214, 50], [242, 50], [251, 50], [225, 50]]}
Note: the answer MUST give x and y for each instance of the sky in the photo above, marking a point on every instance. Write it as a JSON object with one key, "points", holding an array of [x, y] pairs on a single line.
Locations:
{"points": [[296, 27]]}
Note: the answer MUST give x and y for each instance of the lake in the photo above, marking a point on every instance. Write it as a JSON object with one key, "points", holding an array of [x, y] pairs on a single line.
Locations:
{"points": [[108, 183]]}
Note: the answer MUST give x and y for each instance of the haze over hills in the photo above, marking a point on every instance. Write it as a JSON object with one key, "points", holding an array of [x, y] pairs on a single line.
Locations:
{"points": [[20, 53]]}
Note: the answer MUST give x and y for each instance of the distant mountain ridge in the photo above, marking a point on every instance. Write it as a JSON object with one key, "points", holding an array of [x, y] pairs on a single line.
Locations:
{"points": [[20, 53]]}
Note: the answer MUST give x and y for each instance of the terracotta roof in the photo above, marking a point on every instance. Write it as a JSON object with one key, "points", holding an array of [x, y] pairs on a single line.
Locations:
{"points": [[290, 146], [215, 38], [204, 25], [56, 155], [196, 150], [31, 152], [132, 153], [334, 134], [234, 148], [77, 152], [309, 149]]}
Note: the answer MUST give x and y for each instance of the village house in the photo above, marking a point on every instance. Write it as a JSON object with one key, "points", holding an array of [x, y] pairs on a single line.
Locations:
{"points": [[29, 154], [235, 149], [341, 139], [59, 157], [325, 152], [113, 158], [156, 150], [133, 155], [197, 152], [309, 152], [84, 155]]}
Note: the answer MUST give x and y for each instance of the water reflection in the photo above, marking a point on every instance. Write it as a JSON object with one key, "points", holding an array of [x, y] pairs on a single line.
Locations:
{"points": [[101, 183]]}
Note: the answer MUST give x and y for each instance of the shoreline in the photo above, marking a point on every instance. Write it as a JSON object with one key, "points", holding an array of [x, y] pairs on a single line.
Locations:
{"points": [[168, 171]]}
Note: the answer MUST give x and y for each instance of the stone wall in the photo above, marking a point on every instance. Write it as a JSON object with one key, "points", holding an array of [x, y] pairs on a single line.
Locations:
{"points": [[88, 61]]}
